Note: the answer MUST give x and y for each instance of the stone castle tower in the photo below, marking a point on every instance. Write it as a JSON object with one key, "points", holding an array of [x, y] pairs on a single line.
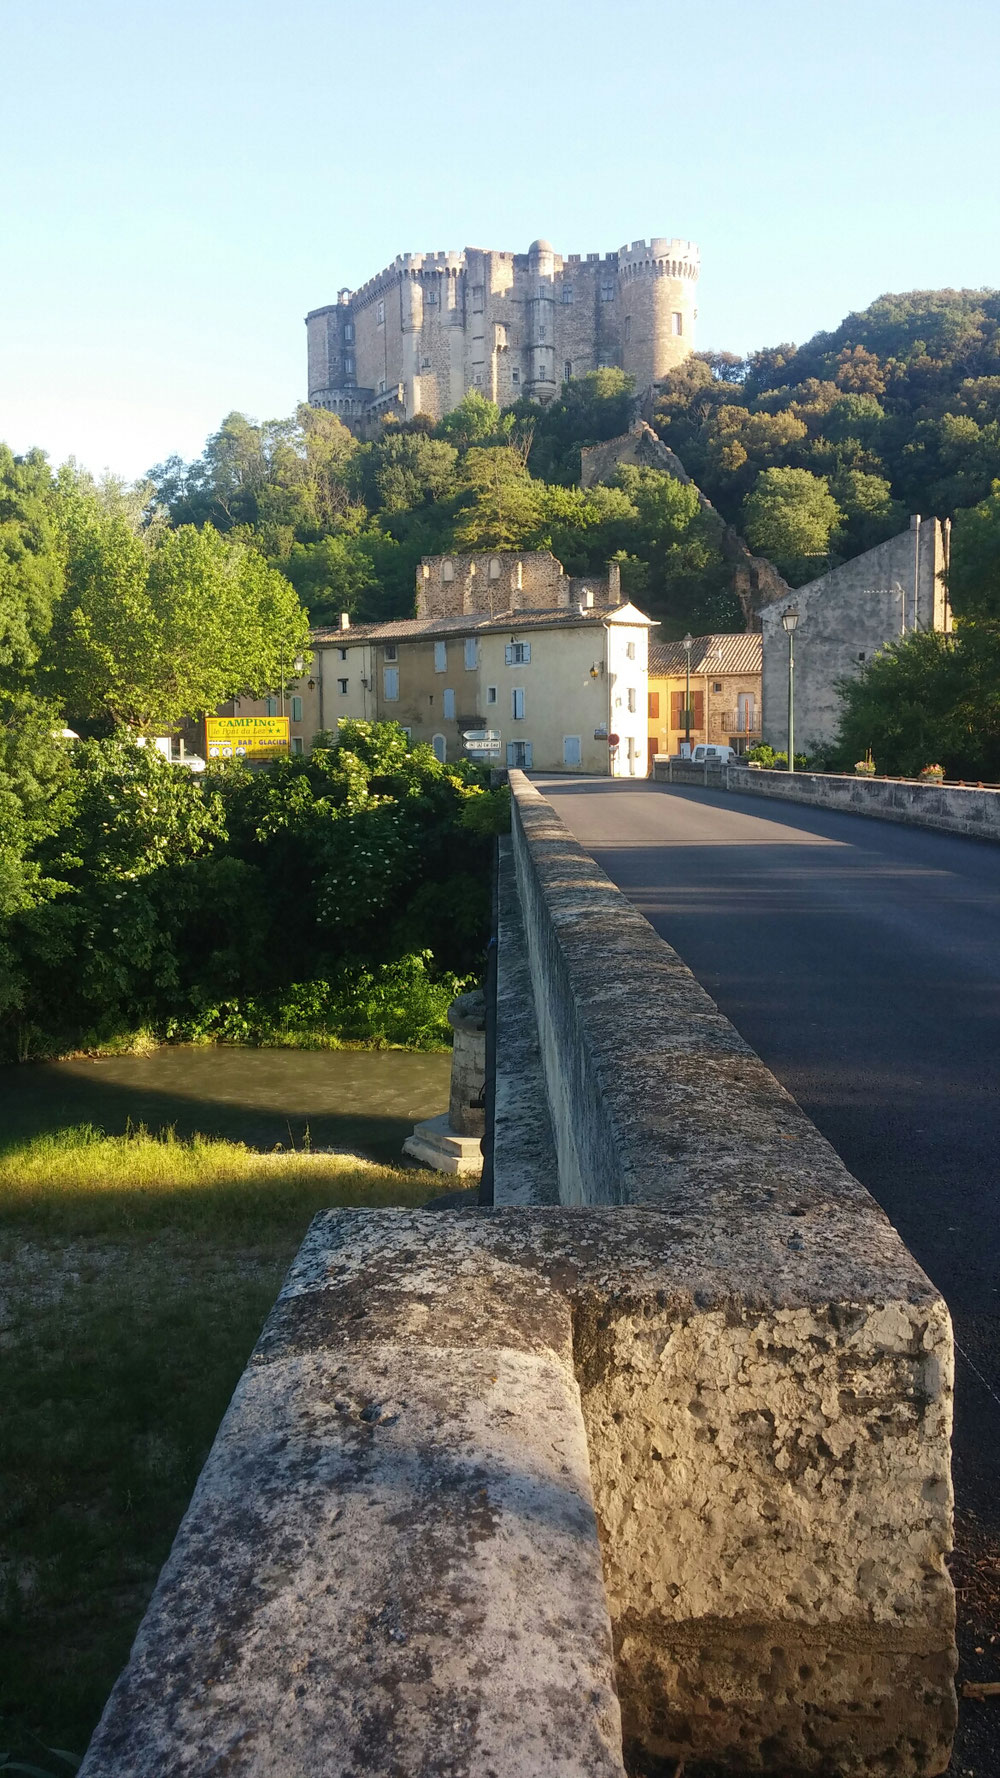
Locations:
{"points": [[432, 326]]}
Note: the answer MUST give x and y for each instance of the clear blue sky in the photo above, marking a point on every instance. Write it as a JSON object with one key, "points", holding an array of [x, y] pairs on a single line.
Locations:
{"points": [[182, 183]]}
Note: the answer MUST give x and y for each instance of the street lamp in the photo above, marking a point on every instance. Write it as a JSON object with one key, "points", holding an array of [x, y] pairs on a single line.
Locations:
{"points": [[687, 644], [789, 619], [298, 667]]}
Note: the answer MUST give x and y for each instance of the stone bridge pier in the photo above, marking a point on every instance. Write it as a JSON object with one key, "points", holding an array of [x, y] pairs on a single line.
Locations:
{"points": [[649, 1460]]}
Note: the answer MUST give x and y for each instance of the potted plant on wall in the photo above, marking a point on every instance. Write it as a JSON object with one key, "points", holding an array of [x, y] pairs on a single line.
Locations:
{"points": [[865, 768], [932, 774]]}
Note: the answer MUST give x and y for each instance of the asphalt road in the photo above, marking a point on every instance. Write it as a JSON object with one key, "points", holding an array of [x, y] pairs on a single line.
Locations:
{"points": [[861, 959]]}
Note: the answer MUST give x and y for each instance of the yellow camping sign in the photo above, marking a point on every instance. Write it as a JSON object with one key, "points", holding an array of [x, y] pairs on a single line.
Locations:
{"points": [[245, 737]]}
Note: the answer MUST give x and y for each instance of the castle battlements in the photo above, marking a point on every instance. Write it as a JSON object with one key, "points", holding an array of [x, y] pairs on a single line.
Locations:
{"points": [[431, 326]]}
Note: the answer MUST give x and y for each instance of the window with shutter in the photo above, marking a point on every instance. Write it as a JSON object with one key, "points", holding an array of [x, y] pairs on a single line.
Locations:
{"points": [[390, 684], [654, 705], [449, 706]]}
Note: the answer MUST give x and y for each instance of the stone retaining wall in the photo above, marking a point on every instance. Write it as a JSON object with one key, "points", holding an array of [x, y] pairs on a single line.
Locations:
{"points": [[950, 807]]}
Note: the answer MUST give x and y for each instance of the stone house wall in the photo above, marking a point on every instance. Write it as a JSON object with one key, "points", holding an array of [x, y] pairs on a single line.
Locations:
{"points": [[844, 618]]}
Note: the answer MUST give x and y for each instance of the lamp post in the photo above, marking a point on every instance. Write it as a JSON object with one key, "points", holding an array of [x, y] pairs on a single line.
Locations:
{"points": [[687, 644], [298, 667], [789, 619]]}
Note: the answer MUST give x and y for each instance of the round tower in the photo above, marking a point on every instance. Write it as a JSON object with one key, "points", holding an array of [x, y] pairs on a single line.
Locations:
{"points": [[541, 313], [657, 296]]}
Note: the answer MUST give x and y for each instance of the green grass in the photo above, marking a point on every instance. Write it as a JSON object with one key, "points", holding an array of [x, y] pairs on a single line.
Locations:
{"points": [[135, 1273]]}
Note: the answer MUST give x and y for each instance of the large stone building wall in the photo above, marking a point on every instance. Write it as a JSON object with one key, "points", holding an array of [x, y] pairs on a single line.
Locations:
{"points": [[431, 326], [844, 618]]}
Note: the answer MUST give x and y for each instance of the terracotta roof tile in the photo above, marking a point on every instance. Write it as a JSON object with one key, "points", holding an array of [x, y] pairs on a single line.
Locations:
{"points": [[710, 654]]}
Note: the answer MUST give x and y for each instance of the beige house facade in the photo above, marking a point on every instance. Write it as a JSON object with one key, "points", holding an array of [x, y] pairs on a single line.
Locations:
{"points": [[564, 690]]}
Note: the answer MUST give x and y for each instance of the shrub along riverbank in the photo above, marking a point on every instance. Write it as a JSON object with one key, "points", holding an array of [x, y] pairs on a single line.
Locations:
{"points": [[341, 896], [135, 1274]]}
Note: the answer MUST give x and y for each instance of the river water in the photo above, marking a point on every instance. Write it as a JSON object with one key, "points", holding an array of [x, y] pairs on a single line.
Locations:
{"points": [[363, 1100]]}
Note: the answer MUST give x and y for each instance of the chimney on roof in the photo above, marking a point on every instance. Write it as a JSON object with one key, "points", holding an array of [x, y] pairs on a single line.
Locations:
{"points": [[614, 583], [345, 620]]}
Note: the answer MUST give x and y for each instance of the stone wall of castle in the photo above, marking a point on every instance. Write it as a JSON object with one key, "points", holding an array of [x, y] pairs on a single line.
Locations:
{"points": [[432, 326]]}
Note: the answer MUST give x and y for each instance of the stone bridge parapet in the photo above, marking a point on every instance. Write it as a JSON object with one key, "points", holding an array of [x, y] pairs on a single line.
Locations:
{"points": [[658, 1467]]}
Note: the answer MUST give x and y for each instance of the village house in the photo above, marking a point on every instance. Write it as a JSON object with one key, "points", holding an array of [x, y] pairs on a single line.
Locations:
{"points": [[553, 664], [725, 687]]}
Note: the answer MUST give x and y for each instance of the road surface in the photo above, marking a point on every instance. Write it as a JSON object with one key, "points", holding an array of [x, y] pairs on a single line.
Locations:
{"points": [[861, 959]]}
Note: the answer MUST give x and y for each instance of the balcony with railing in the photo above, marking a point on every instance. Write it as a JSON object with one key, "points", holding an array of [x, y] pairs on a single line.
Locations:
{"points": [[741, 728]]}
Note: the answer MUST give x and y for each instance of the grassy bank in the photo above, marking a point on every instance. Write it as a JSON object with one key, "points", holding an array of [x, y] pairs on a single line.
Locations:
{"points": [[135, 1273]]}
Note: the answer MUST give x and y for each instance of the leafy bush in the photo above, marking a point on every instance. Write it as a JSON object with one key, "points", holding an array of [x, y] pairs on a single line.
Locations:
{"points": [[339, 896]]}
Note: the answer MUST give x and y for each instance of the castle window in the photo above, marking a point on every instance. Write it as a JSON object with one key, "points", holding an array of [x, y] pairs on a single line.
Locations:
{"points": [[448, 569], [541, 333], [477, 299], [677, 321], [494, 567], [515, 375], [568, 369], [425, 364], [349, 366], [607, 290], [348, 331], [478, 380], [381, 386], [430, 297], [628, 328], [567, 294], [380, 312], [342, 687]]}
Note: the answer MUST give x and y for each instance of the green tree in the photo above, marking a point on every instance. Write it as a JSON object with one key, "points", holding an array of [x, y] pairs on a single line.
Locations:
{"points": [[789, 516], [928, 700], [32, 561], [149, 636], [974, 570], [476, 420], [502, 504]]}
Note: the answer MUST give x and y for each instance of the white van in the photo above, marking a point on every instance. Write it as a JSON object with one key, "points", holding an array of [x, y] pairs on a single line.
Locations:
{"points": [[713, 753]]}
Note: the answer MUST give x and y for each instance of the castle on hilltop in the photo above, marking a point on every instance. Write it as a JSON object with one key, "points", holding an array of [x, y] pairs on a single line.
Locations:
{"points": [[432, 326]]}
